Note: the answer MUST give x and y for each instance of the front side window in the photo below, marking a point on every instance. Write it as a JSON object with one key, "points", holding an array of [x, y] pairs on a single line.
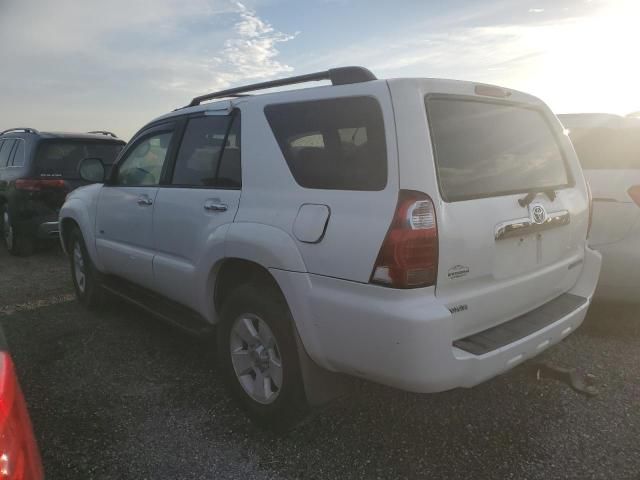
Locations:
{"points": [[144, 163], [336, 144], [209, 155], [485, 149]]}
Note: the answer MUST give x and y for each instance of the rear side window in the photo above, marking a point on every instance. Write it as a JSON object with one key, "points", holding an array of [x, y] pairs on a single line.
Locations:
{"points": [[336, 144], [485, 149], [18, 154], [604, 148], [5, 150], [61, 158], [209, 154]]}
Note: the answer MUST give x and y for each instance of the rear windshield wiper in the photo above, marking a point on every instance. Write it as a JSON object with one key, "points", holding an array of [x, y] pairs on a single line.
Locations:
{"points": [[526, 201]]}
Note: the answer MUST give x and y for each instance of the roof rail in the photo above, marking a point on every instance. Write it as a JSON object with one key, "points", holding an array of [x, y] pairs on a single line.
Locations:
{"points": [[338, 76], [20, 129], [104, 132]]}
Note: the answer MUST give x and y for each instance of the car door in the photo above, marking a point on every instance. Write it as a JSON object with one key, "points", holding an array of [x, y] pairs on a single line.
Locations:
{"points": [[124, 217], [193, 210]]}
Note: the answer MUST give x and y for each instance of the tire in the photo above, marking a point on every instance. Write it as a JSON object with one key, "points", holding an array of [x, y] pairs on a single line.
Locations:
{"points": [[86, 279], [18, 245], [281, 403]]}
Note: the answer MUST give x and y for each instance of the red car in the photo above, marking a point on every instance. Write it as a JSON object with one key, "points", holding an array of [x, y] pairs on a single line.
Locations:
{"points": [[19, 455]]}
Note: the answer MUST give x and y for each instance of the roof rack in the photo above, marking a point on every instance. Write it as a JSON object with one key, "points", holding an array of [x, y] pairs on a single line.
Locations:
{"points": [[21, 129], [104, 132], [338, 76]]}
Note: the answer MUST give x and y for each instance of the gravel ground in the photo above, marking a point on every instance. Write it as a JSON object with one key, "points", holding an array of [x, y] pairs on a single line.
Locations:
{"points": [[117, 394]]}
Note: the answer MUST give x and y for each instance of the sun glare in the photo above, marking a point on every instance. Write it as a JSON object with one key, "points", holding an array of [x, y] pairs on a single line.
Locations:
{"points": [[588, 64]]}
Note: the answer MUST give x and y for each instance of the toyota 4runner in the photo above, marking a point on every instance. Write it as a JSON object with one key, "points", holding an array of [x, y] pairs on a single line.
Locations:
{"points": [[424, 234]]}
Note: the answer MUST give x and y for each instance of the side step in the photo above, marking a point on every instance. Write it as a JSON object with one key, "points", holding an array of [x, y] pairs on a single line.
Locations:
{"points": [[520, 327], [166, 310]]}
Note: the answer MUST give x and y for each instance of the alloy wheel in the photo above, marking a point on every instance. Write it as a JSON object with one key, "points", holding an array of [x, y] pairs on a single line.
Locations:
{"points": [[256, 358]]}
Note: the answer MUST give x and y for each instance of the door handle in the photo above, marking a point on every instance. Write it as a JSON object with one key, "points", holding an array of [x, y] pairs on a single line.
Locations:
{"points": [[215, 206], [144, 201]]}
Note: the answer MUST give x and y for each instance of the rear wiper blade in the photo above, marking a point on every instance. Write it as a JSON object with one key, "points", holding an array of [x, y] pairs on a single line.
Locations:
{"points": [[526, 201]]}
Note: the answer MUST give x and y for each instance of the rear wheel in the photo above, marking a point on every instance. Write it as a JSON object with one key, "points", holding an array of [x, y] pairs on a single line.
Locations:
{"points": [[258, 357], [86, 281], [20, 245]]}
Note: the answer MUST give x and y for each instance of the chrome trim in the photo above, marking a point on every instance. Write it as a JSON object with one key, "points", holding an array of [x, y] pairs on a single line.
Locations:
{"points": [[525, 226]]}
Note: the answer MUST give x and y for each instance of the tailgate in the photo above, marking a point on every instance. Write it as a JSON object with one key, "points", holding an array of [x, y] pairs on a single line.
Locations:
{"points": [[512, 207]]}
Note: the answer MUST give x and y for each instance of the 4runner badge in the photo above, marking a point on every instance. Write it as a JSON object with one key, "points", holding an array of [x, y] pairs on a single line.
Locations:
{"points": [[457, 272]]}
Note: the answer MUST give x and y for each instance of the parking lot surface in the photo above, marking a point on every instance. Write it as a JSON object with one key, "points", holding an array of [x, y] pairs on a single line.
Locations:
{"points": [[117, 394]]}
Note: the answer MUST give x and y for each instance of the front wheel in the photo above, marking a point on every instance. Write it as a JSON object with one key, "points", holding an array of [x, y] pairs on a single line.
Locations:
{"points": [[258, 356], [86, 282]]}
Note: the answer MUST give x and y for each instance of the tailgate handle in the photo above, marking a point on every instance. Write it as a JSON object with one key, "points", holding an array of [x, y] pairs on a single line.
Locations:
{"points": [[524, 226]]}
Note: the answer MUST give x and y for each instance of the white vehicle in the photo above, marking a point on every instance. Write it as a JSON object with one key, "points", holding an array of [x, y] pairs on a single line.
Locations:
{"points": [[608, 147], [424, 234]]}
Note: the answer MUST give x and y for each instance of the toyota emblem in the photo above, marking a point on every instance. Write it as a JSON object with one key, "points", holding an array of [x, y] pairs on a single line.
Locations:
{"points": [[538, 214]]}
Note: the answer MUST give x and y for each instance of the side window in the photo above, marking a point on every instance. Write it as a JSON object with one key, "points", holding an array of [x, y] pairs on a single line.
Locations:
{"points": [[229, 174], [5, 149], [143, 165], [18, 154], [336, 144], [209, 154]]}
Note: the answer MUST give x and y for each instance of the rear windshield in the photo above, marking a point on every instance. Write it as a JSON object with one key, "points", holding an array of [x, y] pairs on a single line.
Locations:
{"points": [[336, 144], [62, 158], [485, 149], [607, 148]]}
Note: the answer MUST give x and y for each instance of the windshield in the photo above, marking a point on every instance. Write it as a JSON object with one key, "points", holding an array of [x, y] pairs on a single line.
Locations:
{"points": [[61, 158], [485, 149]]}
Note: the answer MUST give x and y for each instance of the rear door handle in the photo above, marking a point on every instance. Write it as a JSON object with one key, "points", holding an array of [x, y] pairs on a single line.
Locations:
{"points": [[144, 201], [215, 206]]}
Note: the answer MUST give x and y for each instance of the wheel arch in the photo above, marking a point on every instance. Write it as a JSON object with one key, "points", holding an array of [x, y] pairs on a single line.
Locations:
{"points": [[74, 213], [66, 226], [233, 272]]}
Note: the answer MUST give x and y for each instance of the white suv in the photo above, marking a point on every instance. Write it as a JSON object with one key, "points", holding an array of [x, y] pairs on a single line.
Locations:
{"points": [[424, 234]]}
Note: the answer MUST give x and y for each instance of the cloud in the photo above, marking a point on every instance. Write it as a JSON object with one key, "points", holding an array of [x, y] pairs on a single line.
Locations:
{"points": [[82, 65], [536, 10]]}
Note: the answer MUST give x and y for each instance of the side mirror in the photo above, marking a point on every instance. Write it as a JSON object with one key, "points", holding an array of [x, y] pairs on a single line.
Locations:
{"points": [[92, 170]]}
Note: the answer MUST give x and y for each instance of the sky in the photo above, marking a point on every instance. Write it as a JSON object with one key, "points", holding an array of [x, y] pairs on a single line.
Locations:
{"points": [[79, 65]]}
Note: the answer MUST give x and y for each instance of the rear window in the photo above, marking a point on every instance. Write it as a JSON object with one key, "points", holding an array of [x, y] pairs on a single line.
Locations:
{"points": [[485, 149], [336, 144], [607, 148], [62, 158]]}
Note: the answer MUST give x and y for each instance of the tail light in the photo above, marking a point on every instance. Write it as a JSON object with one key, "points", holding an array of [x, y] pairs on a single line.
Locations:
{"points": [[39, 184], [634, 193], [590, 198], [19, 456], [408, 257]]}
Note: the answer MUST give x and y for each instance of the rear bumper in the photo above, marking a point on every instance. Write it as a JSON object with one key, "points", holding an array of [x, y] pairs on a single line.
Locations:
{"points": [[404, 338], [49, 230], [42, 227]]}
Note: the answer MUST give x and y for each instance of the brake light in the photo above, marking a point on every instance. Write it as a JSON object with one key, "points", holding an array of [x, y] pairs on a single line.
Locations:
{"points": [[39, 184], [634, 193], [408, 257], [491, 91], [590, 199], [19, 456]]}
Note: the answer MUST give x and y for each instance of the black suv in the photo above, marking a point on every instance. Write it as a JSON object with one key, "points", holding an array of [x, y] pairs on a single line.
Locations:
{"points": [[37, 171]]}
